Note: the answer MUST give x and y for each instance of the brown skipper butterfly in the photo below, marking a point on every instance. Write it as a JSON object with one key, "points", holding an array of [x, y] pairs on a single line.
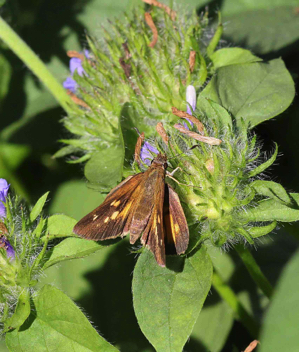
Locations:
{"points": [[143, 206]]}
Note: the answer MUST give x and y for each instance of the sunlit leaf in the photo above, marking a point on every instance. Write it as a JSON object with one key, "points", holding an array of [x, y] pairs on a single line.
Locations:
{"points": [[167, 301], [58, 324]]}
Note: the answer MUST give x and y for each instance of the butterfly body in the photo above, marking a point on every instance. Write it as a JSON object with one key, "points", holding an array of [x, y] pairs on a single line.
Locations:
{"points": [[143, 206]]}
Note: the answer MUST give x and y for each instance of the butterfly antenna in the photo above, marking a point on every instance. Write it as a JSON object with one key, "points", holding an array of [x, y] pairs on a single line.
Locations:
{"points": [[194, 146]]}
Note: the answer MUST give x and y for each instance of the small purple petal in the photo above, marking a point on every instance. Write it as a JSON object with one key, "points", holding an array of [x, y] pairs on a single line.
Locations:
{"points": [[10, 252], [185, 125], [191, 99], [4, 187], [70, 84], [147, 152], [76, 65], [86, 53]]}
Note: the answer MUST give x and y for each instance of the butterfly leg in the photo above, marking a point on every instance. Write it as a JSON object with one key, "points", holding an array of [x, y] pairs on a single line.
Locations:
{"points": [[170, 175], [174, 171]]}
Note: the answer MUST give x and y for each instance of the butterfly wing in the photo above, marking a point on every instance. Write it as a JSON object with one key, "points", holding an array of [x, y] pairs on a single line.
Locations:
{"points": [[108, 220], [153, 234], [176, 227]]}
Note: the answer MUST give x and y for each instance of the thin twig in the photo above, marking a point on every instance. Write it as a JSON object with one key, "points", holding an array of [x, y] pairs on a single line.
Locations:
{"points": [[138, 148], [192, 57], [252, 346], [151, 24], [127, 51], [161, 130], [126, 67], [77, 100], [74, 53], [167, 9], [198, 137], [185, 115]]}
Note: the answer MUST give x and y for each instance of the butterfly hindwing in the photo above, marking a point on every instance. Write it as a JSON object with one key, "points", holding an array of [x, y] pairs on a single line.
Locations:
{"points": [[177, 232]]}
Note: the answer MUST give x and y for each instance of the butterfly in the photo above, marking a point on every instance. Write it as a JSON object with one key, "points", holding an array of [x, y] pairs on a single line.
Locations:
{"points": [[145, 207]]}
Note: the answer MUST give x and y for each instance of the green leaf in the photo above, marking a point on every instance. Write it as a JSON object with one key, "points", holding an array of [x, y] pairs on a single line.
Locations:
{"points": [[259, 231], [105, 168], [75, 198], [3, 347], [38, 207], [214, 111], [272, 190], [232, 56], [213, 325], [69, 149], [167, 301], [265, 165], [277, 21], [60, 225], [21, 312], [271, 210], [255, 92], [57, 325], [72, 248], [280, 328]]}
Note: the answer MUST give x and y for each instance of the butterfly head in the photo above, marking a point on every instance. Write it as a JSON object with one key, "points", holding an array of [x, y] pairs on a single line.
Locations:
{"points": [[160, 160]]}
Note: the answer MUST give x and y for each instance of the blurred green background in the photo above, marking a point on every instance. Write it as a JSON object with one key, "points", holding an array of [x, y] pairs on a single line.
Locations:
{"points": [[30, 128]]}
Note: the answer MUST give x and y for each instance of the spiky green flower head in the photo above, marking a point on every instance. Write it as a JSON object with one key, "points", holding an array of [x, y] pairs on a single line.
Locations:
{"points": [[134, 75], [218, 177], [24, 253], [23, 242]]}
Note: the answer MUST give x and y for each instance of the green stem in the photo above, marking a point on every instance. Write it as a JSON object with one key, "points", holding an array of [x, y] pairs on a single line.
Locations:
{"points": [[22, 50], [241, 313], [254, 270]]}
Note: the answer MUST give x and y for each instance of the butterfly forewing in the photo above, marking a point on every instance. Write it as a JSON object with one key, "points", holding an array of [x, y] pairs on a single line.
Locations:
{"points": [[108, 220]]}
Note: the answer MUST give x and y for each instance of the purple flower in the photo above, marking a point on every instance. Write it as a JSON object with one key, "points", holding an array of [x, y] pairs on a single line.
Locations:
{"points": [[4, 243], [147, 152], [70, 84], [10, 252], [4, 187], [191, 102], [75, 65]]}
